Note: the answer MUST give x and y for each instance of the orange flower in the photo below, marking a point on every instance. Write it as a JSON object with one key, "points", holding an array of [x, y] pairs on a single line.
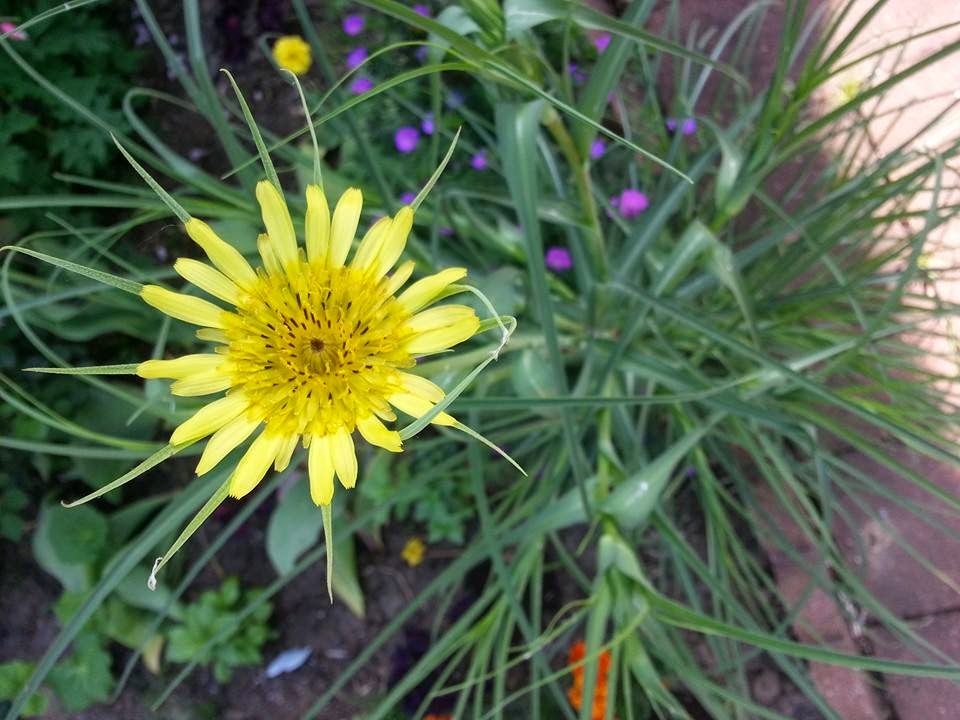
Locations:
{"points": [[575, 694]]}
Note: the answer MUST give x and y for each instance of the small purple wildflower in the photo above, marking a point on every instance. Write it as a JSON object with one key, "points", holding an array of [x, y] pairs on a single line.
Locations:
{"points": [[671, 124], [406, 139], [10, 30], [576, 74], [601, 41], [479, 160], [426, 125], [454, 99], [422, 10], [353, 24], [421, 53], [445, 231], [597, 148], [630, 202], [688, 126], [360, 85], [408, 197], [558, 259], [356, 56]]}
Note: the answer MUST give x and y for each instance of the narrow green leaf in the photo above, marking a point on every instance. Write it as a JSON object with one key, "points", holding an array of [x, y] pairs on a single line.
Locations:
{"points": [[120, 283]]}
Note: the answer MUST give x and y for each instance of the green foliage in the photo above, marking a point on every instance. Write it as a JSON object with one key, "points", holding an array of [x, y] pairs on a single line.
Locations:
{"points": [[203, 620], [696, 351], [91, 61], [13, 675], [13, 501], [84, 678]]}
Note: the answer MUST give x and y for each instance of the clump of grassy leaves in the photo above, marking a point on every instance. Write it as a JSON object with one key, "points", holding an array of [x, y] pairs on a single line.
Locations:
{"points": [[713, 345]]}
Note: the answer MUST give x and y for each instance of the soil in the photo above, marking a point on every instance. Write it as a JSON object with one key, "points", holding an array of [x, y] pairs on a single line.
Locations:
{"points": [[302, 615]]}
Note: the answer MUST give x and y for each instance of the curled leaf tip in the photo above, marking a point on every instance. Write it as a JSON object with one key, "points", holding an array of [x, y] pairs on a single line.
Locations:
{"points": [[152, 580]]}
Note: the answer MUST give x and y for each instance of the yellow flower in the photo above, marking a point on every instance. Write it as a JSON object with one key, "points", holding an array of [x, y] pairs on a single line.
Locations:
{"points": [[413, 551], [292, 53], [314, 346]]}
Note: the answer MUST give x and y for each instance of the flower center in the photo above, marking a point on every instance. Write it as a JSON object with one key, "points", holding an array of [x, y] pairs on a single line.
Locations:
{"points": [[316, 348]]}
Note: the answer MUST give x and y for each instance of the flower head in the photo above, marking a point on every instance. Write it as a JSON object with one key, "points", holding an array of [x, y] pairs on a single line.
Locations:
{"points": [[10, 30], [597, 148], [407, 198], [575, 694], [356, 56], [353, 24], [421, 9], [479, 160], [406, 139], [427, 125], [412, 552], [630, 202], [688, 126], [292, 53], [576, 74], [601, 41], [313, 348], [558, 259], [360, 85]]}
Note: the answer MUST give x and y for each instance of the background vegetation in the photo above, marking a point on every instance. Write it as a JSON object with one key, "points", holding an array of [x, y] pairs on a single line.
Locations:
{"points": [[701, 362]]}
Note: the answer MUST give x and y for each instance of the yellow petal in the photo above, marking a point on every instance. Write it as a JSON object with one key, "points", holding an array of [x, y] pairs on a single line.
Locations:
{"points": [[376, 433], [399, 277], [224, 256], [255, 463], [343, 228], [320, 468], [344, 458], [208, 279], [212, 335], [180, 367], [201, 384], [183, 307], [268, 253], [277, 220], [440, 328], [416, 385], [210, 418], [224, 441], [370, 246], [417, 407], [394, 242], [425, 291], [317, 224], [286, 452]]}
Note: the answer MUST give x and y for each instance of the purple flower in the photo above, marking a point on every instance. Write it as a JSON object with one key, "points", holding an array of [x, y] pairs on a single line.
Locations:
{"points": [[688, 126], [353, 24], [10, 30], [601, 40], [422, 10], [408, 197], [445, 231], [426, 125], [630, 202], [421, 53], [597, 148], [479, 160], [356, 56], [558, 259], [671, 124], [406, 139], [454, 99], [576, 74], [360, 85]]}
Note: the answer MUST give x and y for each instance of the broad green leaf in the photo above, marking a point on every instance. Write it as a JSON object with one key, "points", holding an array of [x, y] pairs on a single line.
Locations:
{"points": [[74, 575], [13, 675], [294, 527]]}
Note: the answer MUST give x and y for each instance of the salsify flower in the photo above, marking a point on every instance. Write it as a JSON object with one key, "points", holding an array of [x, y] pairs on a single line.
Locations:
{"points": [[315, 348]]}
